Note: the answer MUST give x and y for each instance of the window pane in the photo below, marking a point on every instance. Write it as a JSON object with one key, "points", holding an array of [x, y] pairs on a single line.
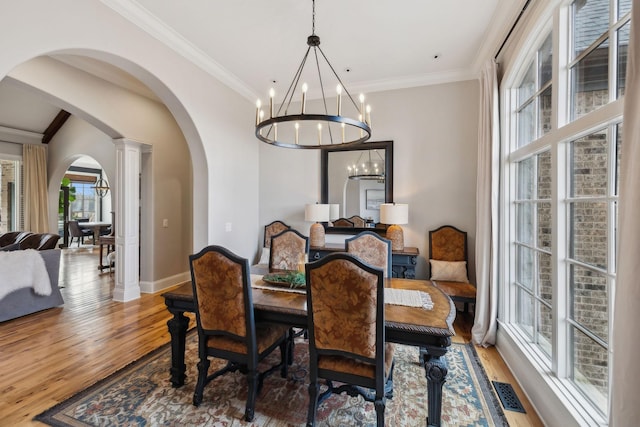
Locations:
{"points": [[524, 228], [590, 21], [525, 267], [590, 82], [544, 226], [545, 329], [545, 60], [588, 174], [544, 116], [590, 368], [525, 179], [544, 176], [526, 125], [624, 6], [527, 86], [588, 233], [623, 44], [524, 312], [588, 293], [545, 289]]}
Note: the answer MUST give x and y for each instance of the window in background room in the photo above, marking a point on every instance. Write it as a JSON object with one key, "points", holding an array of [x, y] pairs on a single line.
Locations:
{"points": [[562, 192], [11, 208]]}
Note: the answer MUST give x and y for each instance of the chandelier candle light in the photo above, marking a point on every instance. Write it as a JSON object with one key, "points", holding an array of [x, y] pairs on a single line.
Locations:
{"points": [[317, 213], [371, 168], [339, 129], [395, 214]]}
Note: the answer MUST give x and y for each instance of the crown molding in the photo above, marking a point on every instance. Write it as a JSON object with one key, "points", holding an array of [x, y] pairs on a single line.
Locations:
{"points": [[497, 31], [142, 18], [406, 82]]}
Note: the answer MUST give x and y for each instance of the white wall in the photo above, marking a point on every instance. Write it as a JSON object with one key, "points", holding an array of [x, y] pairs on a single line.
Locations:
{"points": [[434, 129]]}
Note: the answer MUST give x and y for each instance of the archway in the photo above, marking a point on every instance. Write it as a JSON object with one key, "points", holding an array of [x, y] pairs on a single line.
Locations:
{"points": [[104, 128]]}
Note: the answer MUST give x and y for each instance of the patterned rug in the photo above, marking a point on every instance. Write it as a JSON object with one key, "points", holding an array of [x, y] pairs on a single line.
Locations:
{"points": [[141, 395]]}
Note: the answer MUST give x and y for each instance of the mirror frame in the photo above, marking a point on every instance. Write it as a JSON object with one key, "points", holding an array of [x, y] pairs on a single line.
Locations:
{"points": [[388, 180]]}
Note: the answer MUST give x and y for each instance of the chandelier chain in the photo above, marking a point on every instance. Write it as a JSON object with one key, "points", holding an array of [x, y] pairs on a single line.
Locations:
{"points": [[313, 17]]}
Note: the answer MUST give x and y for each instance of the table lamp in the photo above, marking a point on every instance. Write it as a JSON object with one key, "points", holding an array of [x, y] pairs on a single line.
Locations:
{"points": [[395, 214], [316, 213]]}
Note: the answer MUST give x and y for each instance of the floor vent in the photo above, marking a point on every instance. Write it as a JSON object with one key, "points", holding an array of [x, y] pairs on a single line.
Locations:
{"points": [[508, 397]]}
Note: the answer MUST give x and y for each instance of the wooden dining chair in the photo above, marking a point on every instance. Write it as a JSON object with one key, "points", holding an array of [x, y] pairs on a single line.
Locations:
{"points": [[226, 325], [448, 263], [371, 248], [288, 249], [345, 304]]}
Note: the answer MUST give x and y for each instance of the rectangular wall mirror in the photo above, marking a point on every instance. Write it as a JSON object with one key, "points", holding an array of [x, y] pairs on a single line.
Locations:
{"points": [[358, 180]]}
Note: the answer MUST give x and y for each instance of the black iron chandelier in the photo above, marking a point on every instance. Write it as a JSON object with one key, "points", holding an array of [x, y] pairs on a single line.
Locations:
{"points": [[367, 167], [301, 129]]}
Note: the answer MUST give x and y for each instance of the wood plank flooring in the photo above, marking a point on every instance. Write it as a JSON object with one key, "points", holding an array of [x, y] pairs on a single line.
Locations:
{"points": [[49, 356]]}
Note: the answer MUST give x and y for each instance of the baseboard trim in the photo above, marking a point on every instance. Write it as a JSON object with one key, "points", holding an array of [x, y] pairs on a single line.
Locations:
{"points": [[152, 287]]}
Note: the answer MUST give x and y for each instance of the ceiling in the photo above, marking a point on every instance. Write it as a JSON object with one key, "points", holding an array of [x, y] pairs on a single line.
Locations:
{"points": [[253, 45]]}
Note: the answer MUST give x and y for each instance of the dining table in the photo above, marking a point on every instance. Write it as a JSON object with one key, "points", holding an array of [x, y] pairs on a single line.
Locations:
{"points": [[96, 227], [430, 328]]}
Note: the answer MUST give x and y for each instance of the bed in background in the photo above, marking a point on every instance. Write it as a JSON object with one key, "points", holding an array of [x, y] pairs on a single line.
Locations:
{"points": [[25, 300]]}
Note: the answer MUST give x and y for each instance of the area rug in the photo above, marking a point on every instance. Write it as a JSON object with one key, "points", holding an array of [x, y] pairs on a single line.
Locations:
{"points": [[141, 395]]}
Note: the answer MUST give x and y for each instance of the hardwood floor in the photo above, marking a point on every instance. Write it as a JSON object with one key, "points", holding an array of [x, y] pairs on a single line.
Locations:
{"points": [[49, 356]]}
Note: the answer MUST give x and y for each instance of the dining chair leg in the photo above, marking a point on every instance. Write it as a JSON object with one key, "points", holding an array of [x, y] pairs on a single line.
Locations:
{"points": [[379, 405], [252, 380], [203, 370], [314, 389], [284, 356]]}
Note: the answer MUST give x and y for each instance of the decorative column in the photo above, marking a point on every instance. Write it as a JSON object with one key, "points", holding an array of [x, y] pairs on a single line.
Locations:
{"points": [[127, 226]]}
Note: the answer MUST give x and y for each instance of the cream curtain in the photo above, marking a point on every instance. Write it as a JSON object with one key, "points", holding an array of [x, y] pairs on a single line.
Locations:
{"points": [[36, 206], [487, 192], [625, 399]]}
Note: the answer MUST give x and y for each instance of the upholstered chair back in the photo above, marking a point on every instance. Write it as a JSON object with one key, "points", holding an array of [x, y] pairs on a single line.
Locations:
{"points": [[218, 283], [447, 243], [372, 249], [270, 230], [287, 250], [344, 304]]}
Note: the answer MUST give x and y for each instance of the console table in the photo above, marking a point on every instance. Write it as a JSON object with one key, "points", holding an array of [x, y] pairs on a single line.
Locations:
{"points": [[403, 262]]}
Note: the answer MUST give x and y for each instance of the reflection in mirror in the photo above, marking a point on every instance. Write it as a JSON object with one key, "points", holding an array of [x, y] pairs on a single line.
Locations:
{"points": [[358, 180]]}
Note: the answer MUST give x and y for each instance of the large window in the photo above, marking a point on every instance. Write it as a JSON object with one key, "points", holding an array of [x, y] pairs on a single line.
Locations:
{"points": [[563, 157]]}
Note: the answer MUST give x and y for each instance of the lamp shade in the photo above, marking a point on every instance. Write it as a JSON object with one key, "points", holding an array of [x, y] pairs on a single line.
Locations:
{"points": [[394, 213], [334, 211], [316, 212]]}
